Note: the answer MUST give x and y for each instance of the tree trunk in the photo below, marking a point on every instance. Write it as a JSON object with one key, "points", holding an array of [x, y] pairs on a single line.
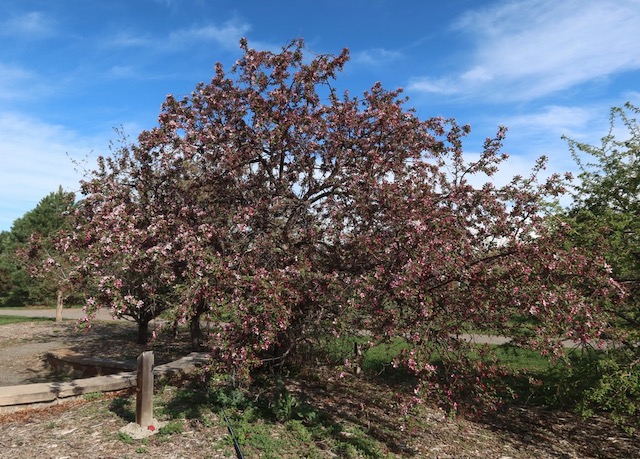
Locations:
{"points": [[195, 329], [195, 332], [143, 331], [59, 305]]}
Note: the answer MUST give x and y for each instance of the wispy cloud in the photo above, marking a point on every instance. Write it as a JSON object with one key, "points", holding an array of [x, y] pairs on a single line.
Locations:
{"points": [[126, 39], [18, 83], [227, 36], [376, 56], [557, 120], [35, 158], [526, 50], [124, 71], [28, 26]]}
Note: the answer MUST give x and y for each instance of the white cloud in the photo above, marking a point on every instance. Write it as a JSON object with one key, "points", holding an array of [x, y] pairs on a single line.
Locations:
{"points": [[127, 39], [29, 25], [376, 56], [228, 35], [524, 50], [477, 75], [36, 158], [444, 86], [555, 119], [123, 71], [19, 84]]}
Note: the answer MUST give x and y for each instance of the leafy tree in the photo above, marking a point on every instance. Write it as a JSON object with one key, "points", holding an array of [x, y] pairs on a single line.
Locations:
{"points": [[49, 215], [42, 222], [605, 218], [15, 284], [126, 241], [286, 213], [48, 261], [6, 283], [606, 210]]}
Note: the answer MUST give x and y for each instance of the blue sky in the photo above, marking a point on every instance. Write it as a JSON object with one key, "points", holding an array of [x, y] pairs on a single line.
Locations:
{"points": [[72, 70]]}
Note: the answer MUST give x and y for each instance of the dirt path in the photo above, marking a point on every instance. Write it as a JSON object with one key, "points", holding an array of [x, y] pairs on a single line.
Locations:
{"points": [[23, 346]]}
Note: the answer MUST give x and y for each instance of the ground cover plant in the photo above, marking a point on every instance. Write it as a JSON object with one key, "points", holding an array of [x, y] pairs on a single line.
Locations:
{"points": [[279, 212]]}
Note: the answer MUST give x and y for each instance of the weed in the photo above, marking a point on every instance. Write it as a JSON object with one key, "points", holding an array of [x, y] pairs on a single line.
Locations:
{"points": [[284, 405], [298, 430], [361, 444], [172, 428], [125, 438]]}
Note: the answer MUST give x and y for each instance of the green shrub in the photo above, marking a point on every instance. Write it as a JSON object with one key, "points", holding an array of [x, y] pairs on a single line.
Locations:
{"points": [[593, 382]]}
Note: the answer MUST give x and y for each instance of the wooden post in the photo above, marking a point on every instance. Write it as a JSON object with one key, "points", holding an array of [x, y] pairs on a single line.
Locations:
{"points": [[59, 305], [144, 390]]}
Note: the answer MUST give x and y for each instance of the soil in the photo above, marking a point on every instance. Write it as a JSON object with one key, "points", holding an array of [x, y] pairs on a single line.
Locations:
{"points": [[89, 428]]}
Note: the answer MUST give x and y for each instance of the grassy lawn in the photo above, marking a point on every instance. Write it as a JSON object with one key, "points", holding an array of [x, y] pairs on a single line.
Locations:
{"points": [[5, 320], [379, 357]]}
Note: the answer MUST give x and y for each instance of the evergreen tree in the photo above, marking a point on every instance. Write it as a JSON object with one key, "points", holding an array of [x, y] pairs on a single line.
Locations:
{"points": [[17, 286]]}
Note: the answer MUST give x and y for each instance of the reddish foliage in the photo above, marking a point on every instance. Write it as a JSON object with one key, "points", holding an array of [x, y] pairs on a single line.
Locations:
{"points": [[285, 212]]}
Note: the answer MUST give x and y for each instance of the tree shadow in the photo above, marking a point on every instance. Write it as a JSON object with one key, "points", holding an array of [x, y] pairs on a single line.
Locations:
{"points": [[551, 431], [123, 407]]}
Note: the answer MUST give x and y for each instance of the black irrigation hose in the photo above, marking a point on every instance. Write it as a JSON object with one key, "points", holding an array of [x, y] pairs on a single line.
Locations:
{"points": [[236, 445]]}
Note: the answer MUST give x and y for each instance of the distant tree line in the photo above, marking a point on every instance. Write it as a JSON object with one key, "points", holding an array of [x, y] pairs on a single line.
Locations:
{"points": [[18, 284]]}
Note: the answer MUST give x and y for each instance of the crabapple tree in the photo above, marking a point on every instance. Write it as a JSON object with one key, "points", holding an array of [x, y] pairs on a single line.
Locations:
{"points": [[284, 212]]}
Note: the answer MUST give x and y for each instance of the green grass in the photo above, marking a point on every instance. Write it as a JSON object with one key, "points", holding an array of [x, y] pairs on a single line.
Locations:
{"points": [[378, 358], [6, 320], [518, 325], [517, 358]]}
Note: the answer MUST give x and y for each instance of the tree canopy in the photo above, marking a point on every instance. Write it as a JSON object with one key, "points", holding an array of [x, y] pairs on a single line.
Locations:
{"points": [[606, 209], [604, 220], [51, 214], [287, 213]]}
